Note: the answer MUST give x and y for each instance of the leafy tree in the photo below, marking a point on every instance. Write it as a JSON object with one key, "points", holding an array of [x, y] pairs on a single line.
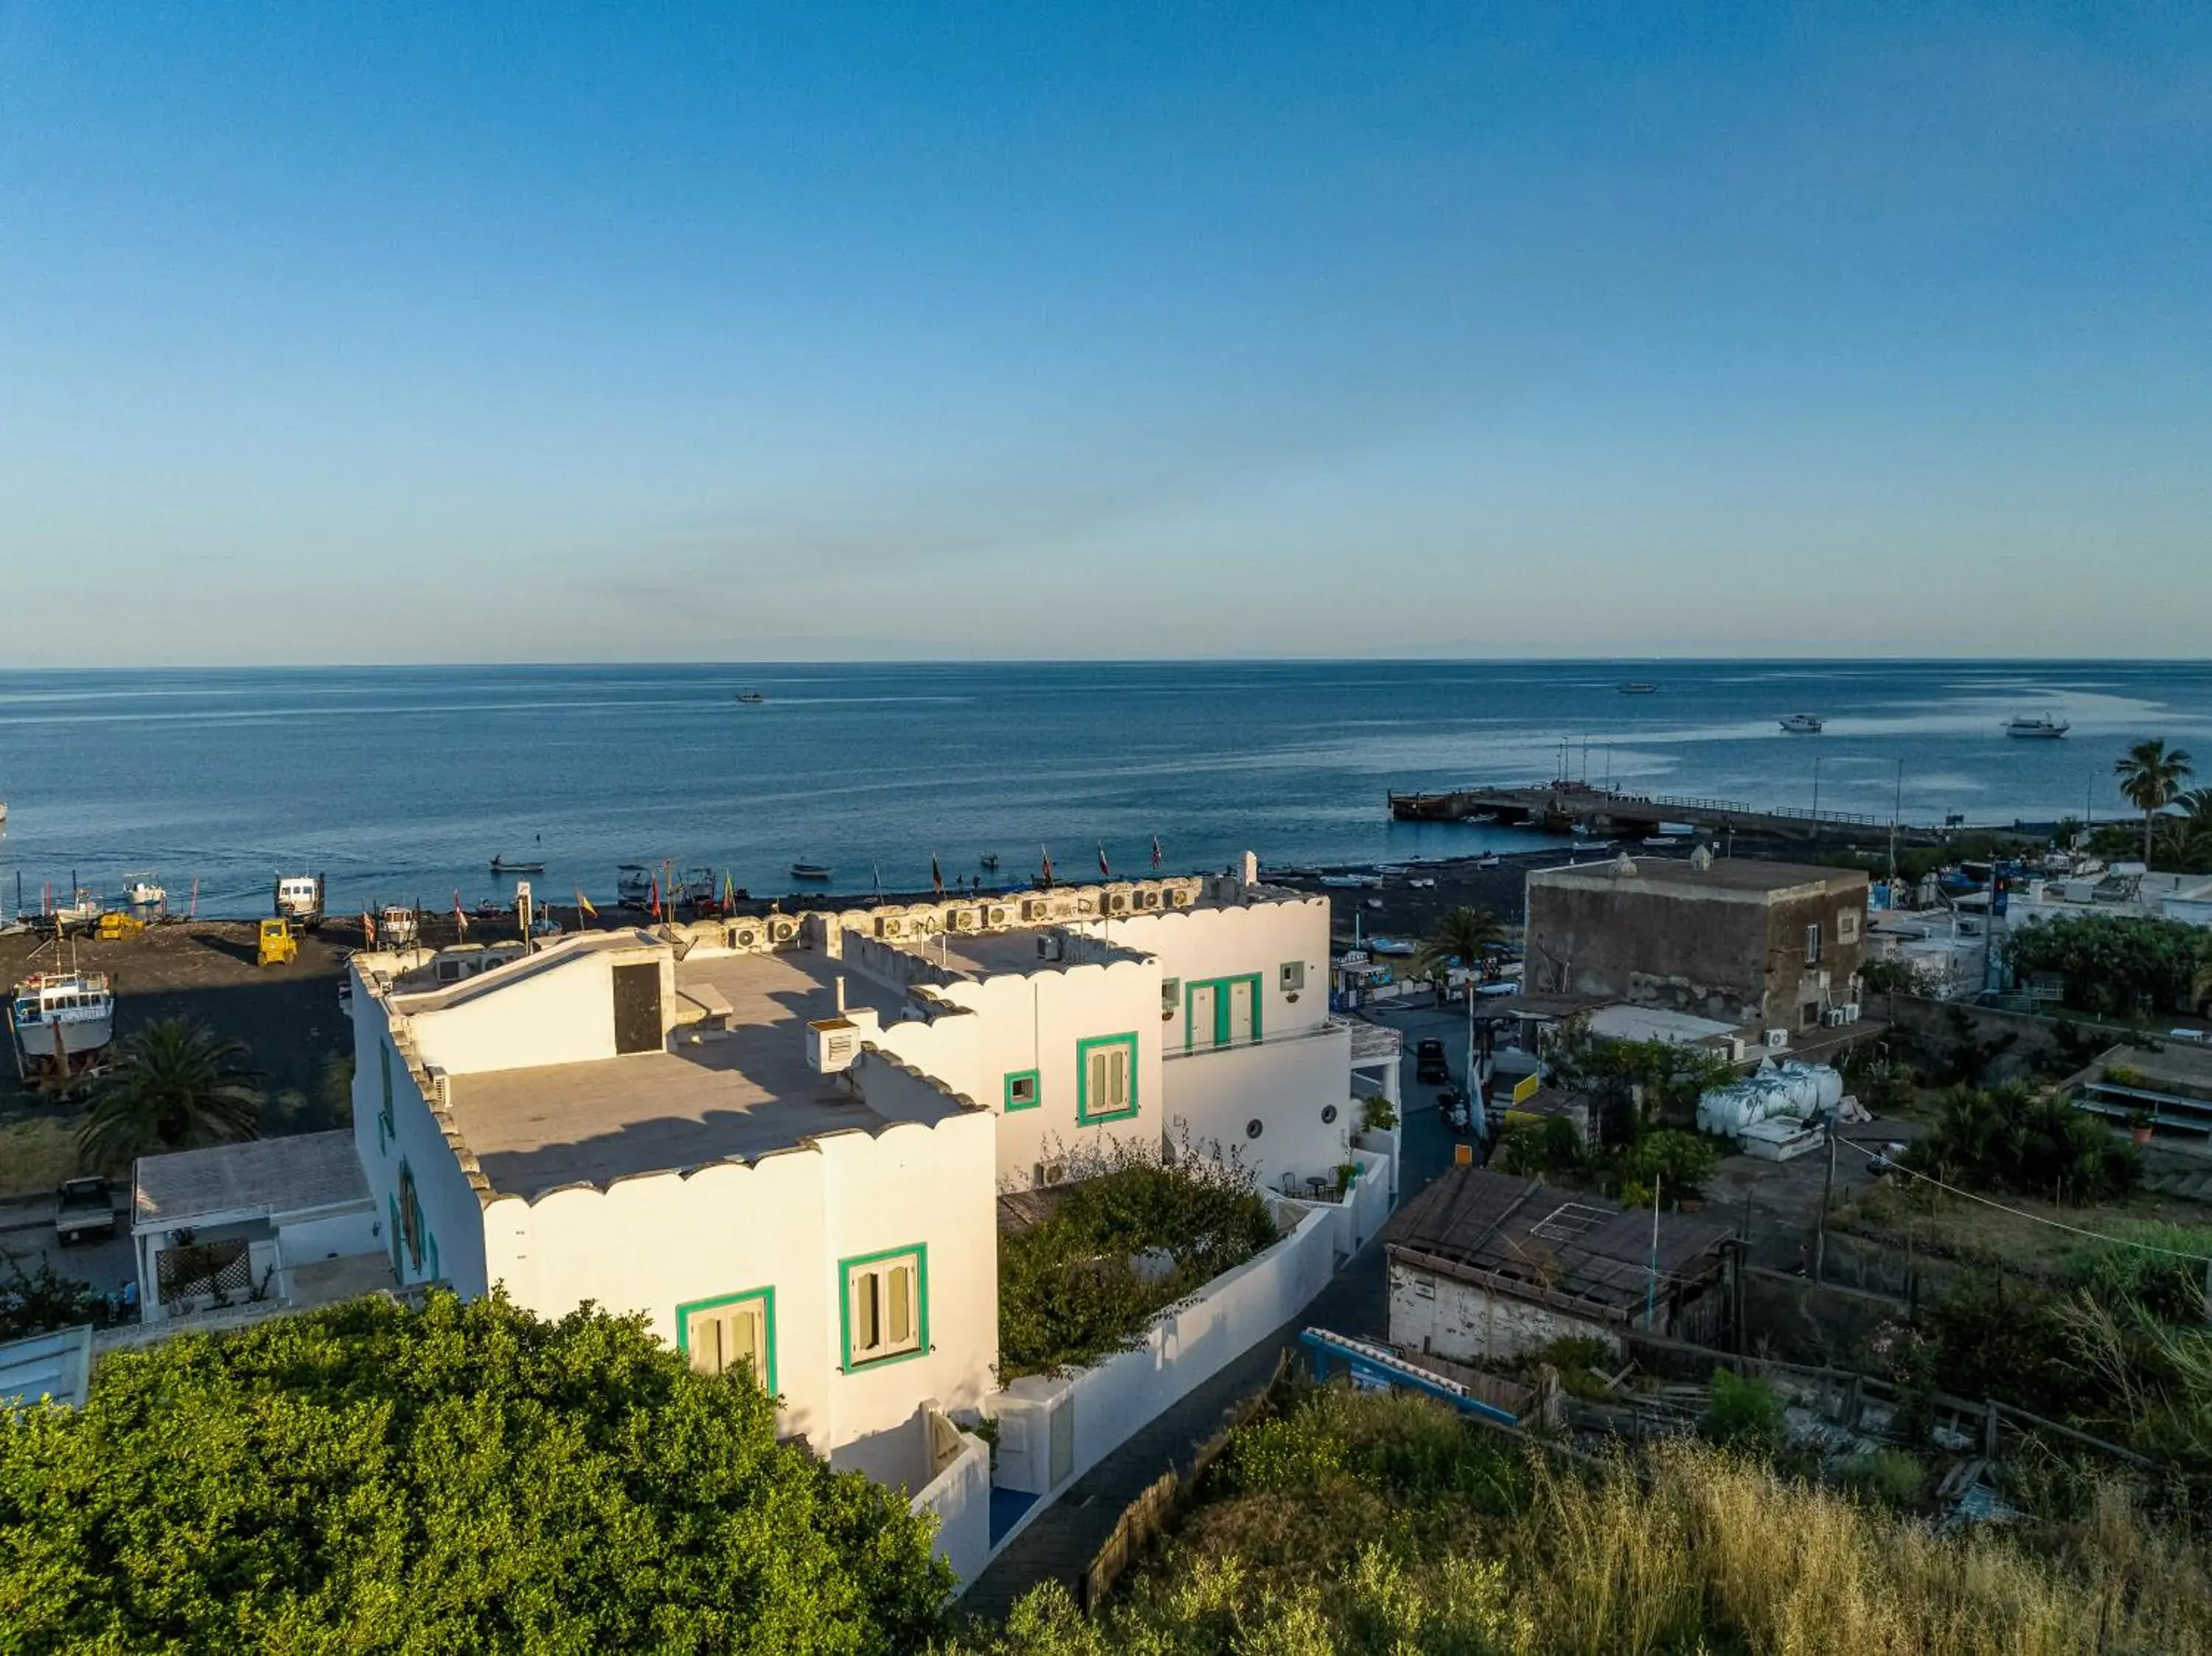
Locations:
{"points": [[1668, 1078], [175, 1086], [461, 1477], [1461, 935], [2115, 963], [2187, 840], [2015, 1137], [2151, 774]]}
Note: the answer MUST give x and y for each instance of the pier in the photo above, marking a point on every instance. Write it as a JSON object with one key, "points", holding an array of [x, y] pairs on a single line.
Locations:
{"points": [[1563, 807]]}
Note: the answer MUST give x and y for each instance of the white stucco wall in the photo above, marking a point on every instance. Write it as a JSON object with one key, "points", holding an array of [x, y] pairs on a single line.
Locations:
{"points": [[303, 1242], [1285, 1083], [555, 1009], [1113, 1398], [1201, 944], [1462, 1322], [959, 1498], [784, 1223]]}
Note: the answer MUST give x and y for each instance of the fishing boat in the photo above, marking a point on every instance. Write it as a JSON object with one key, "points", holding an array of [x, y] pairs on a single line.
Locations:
{"points": [[500, 866], [397, 926], [988, 863], [1802, 724], [1639, 687], [811, 872], [752, 698], [2040, 726], [634, 884], [62, 1022], [81, 912], [143, 890]]}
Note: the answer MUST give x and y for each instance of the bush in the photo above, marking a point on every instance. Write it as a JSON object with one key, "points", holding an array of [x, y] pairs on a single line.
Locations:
{"points": [[1742, 1413], [462, 1478], [2016, 1139], [1375, 1115], [1070, 1291], [2116, 964], [1890, 1477], [2170, 1288], [1674, 1163]]}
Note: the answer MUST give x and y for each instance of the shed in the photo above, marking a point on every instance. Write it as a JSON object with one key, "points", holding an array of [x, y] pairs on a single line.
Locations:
{"points": [[55, 1367]]}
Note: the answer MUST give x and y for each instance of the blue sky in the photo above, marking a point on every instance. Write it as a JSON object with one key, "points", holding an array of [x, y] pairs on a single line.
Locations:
{"points": [[487, 332]]}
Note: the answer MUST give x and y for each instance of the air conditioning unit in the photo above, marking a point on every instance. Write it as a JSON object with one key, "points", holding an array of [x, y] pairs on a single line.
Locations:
{"points": [[1037, 908], [1834, 1017], [1114, 902], [890, 926], [1050, 1173], [1148, 898], [963, 920], [1086, 905], [999, 914], [1777, 1039], [1181, 896], [782, 930], [1051, 946], [1734, 1047], [743, 936], [1851, 1010]]}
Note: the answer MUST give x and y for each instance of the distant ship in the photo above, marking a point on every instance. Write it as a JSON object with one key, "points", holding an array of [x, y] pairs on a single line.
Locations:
{"points": [[1802, 724], [811, 872], [752, 698], [1639, 687], [2039, 725]]}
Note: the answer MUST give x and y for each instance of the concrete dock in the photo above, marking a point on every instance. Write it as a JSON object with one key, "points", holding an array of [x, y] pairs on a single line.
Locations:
{"points": [[1562, 807]]}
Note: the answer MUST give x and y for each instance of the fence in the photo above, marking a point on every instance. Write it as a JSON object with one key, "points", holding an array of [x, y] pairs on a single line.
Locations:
{"points": [[1151, 1511], [209, 1269]]}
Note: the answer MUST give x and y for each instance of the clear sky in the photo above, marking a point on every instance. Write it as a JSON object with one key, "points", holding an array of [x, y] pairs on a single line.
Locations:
{"points": [[516, 332]]}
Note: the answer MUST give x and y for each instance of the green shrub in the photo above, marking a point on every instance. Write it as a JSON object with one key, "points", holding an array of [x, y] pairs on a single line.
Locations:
{"points": [[2118, 964], [1743, 1413], [1674, 1163], [2170, 1288], [2015, 1137], [1375, 1115], [1890, 1477]]}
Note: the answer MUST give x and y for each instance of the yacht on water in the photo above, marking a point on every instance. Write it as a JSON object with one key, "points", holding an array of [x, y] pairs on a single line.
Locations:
{"points": [[1802, 724], [61, 1021], [2037, 725]]}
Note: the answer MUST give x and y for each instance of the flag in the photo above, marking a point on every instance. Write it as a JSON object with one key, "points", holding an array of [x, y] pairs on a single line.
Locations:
{"points": [[584, 904], [367, 929], [655, 909], [729, 891], [1047, 876], [1155, 851], [1104, 872], [460, 920], [936, 876]]}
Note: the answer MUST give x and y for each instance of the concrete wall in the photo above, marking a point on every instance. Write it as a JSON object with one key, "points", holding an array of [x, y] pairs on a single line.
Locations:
{"points": [[337, 1236], [959, 1498], [1115, 1397], [1354, 1218], [1457, 1319], [556, 1008], [1201, 944], [783, 1222], [1284, 1084]]}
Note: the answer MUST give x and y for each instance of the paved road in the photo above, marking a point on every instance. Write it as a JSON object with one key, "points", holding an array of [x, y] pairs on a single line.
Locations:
{"points": [[1063, 1541]]}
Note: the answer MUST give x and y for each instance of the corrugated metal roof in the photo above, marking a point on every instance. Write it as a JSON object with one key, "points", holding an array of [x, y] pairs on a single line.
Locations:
{"points": [[56, 1366]]}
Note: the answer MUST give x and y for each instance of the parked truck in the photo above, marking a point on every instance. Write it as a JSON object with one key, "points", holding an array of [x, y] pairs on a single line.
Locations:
{"points": [[87, 1208]]}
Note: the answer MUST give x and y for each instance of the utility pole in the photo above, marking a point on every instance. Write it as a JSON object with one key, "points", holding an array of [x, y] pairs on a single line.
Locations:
{"points": [[1827, 1194], [1896, 811]]}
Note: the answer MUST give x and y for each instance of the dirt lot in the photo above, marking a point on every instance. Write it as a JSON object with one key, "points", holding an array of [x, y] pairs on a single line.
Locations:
{"points": [[287, 1016]]}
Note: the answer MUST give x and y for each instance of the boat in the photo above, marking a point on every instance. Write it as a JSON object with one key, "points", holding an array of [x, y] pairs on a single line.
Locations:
{"points": [[61, 1021], [1489, 859], [988, 862], [500, 865], [397, 926], [82, 911], [634, 885], [811, 872], [1639, 687], [143, 890], [1802, 724], [1396, 947], [752, 698], [2037, 725]]}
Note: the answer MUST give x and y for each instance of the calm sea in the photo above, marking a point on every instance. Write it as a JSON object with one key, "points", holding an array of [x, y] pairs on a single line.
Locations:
{"points": [[403, 783]]}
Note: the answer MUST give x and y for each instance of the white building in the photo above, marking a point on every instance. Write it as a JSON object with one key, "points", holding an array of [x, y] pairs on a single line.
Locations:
{"points": [[782, 1140]]}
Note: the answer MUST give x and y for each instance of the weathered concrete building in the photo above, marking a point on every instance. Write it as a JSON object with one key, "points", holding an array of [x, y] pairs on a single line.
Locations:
{"points": [[1765, 946], [1486, 1267]]}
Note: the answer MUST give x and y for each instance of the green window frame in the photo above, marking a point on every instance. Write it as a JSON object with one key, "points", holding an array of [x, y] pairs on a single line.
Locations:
{"points": [[1037, 1089], [765, 1297], [1220, 1034], [1084, 1114], [886, 1331]]}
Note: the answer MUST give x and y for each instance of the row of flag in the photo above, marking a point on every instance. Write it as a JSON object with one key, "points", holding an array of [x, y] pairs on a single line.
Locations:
{"points": [[1044, 872]]}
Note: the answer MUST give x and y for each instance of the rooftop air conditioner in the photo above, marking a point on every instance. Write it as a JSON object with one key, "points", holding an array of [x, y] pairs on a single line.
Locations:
{"points": [[1051, 946], [1148, 898], [1850, 1010], [890, 926], [782, 930], [1180, 897], [999, 914], [743, 936], [1834, 1017], [961, 919], [1115, 902], [832, 1044], [1777, 1039], [1037, 908]]}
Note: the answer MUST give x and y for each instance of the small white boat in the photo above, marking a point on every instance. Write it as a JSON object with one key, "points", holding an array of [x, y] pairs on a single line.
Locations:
{"points": [[1802, 724], [2037, 727], [1397, 948], [1489, 859], [396, 926], [143, 890], [811, 872], [62, 1020]]}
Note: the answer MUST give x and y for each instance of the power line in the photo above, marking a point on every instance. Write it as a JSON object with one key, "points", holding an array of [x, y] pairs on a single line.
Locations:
{"points": [[2022, 1213]]}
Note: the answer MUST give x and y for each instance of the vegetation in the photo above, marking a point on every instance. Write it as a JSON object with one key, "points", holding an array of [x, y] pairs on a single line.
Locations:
{"points": [[2123, 964], [1117, 1249], [175, 1085], [2151, 774], [1742, 1413], [1654, 1080], [1894, 978], [2020, 1138], [1461, 936], [462, 1478], [1364, 1524], [40, 1300], [1375, 1115], [37, 1152], [1661, 1161]]}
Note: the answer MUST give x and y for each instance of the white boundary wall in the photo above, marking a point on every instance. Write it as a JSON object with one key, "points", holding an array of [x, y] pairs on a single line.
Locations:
{"points": [[1113, 1398], [960, 1496]]}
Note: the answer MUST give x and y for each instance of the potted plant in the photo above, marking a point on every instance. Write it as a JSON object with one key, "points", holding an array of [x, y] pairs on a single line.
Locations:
{"points": [[2140, 1122], [1347, 1172]]}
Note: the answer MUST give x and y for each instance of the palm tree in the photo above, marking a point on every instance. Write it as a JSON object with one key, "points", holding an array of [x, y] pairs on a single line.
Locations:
{"points": [[2150, 774], [2189, 836], [175, 1086], [1462, 934]]}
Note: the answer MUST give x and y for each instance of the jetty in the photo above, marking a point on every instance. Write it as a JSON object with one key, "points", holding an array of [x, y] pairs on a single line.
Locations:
{"points": [[1565, 807]]}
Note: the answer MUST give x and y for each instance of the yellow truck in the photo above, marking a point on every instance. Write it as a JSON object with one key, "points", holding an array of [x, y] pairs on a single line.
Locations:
{"points": [[278, 946]]}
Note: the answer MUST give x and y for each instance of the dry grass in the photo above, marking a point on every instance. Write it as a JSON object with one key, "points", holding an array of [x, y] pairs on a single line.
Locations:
{"points": [[1910, 1208], [37, 1152]]}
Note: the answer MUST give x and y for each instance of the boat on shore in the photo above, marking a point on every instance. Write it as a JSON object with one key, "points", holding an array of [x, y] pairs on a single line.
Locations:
{"points": [[634, 885], [62, 1022], [500, 865], [1803, 725], [2037, 727], [143, 891], [812, 871]]}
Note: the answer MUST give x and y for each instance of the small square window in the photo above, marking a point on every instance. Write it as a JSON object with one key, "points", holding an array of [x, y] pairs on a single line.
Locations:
{"points": [[1847, 926], [1021, 1090], [1293, 975], [886, 1309]]}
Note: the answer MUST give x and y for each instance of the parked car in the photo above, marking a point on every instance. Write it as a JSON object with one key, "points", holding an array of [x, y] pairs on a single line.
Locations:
{"points": [[1428, 1064], [88, 1209]]}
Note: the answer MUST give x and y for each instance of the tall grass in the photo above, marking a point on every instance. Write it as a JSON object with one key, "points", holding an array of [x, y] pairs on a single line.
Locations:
{"points": [[1379, 1527]]}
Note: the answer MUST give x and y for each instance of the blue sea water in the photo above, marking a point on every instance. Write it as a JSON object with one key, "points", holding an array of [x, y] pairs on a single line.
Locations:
{"points": [[403, 783]]}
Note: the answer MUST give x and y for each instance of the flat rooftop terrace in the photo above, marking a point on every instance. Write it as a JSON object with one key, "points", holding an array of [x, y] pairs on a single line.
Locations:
{"points": [[1748, 876], [712, 1096]]}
